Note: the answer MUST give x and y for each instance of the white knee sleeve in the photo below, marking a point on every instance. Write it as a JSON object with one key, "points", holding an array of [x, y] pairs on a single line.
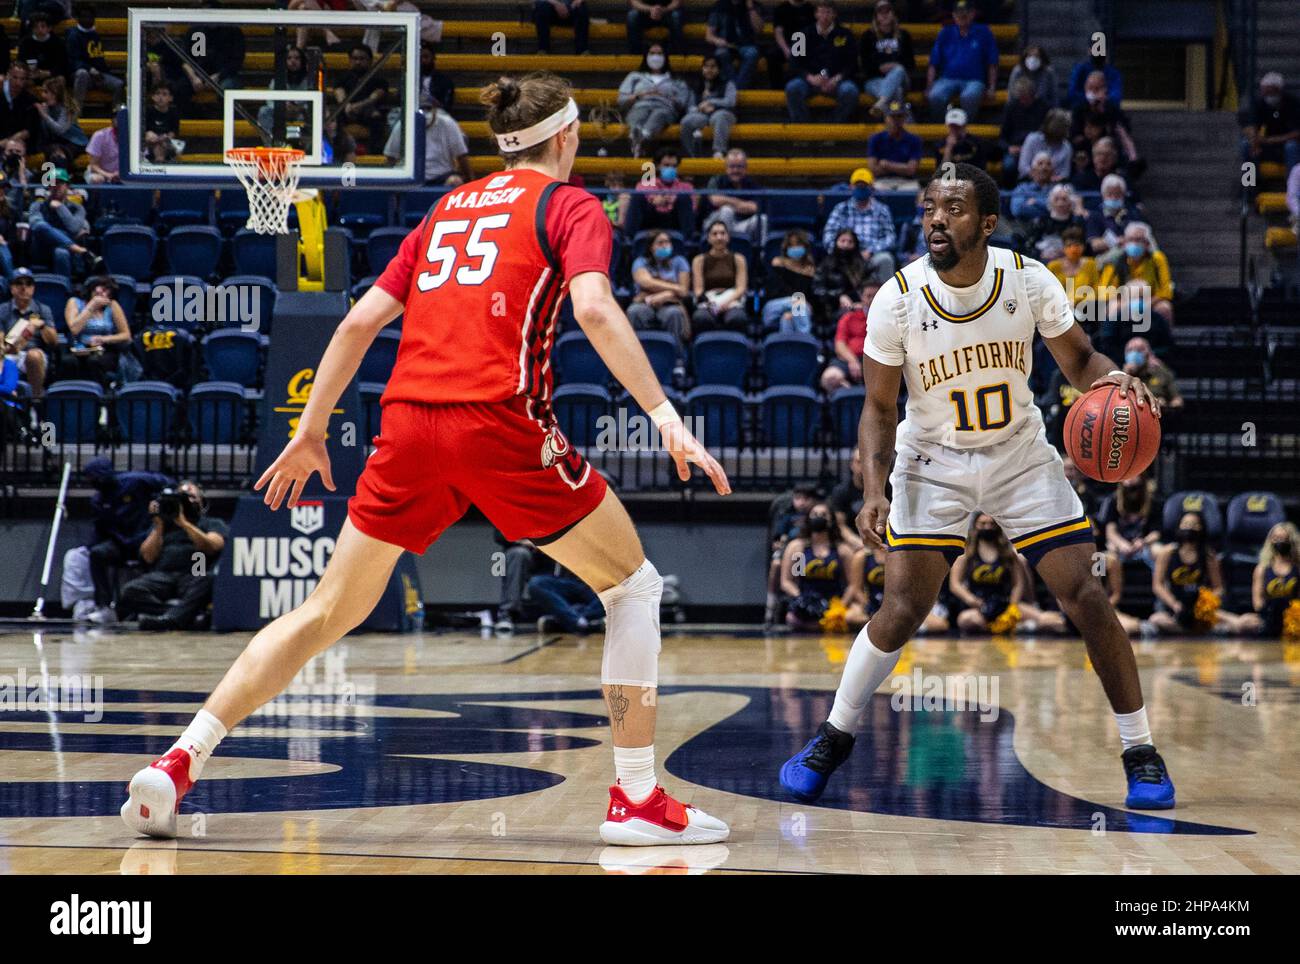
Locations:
{"points": [[632, 629]]}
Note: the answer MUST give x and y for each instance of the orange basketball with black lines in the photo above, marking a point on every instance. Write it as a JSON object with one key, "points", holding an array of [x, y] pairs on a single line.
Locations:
{"points": [[1110, 437]]}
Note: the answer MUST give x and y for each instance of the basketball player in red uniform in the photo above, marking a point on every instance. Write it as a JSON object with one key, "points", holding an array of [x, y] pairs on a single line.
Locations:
{"points": [[468, 420]]}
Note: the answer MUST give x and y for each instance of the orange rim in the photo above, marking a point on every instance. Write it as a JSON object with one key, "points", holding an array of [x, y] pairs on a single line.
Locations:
{"points": [[266, 159]]}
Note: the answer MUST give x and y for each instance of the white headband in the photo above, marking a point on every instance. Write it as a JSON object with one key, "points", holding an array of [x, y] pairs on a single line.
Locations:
{"points": [[541, 131]]}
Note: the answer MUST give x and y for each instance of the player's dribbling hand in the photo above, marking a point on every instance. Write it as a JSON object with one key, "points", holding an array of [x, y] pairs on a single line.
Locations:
{"points": [[871, 521], [1131, 385], [292, 468], [685, 449]]}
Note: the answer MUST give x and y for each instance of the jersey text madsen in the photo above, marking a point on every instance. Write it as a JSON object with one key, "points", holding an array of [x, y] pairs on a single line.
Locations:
{"points": [[483, 199], [969, 358]]}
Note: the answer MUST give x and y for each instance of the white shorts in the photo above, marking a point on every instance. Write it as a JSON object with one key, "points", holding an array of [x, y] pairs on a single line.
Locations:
{"points": [[1020, 482]]}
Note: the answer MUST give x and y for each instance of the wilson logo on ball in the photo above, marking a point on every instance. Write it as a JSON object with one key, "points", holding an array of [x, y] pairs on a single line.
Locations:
{"points": [[1120, 419], [1109, 437]]}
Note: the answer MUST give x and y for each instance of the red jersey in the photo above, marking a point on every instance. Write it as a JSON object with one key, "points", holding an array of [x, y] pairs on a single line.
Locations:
{"points": [[482, 278]]}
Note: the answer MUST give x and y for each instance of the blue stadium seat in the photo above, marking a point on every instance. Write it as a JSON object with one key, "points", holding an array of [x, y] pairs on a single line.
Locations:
{"points": [[126, 297], [789, 358], [846, 410], [146, 411], [721, 358], [901, 204], [129, 205], [363, 211], [178, 206], [129, 249], [253, 253], [371, 410], [382, 245], [415, 204], [53, 290], [380, 357], [721, 409], [232, 355], [1192, 500], [661, 348], [790, 416], [194, 249], [72, 406], [263, 292], [217, 413], [575, 360], [785, 211], [1250, 516], [166, 353], [232, 210], [364, 285], [577, 407], [167, 306]]}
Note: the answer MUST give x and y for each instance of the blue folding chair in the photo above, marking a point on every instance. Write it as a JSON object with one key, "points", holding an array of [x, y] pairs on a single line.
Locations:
{"points": [[379, 359], [789, 358], [720, 409], [578, 408], [721, 358], [254, 253], [217, 413], [790, 416], [194, 249], [233, 355], [661, 348], [146, 411], [576, 360], [72, 406], [129, 249]]}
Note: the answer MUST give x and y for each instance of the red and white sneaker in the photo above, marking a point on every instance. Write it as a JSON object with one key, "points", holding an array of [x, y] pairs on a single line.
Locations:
{"points": [[657, 820], [155, 795]]}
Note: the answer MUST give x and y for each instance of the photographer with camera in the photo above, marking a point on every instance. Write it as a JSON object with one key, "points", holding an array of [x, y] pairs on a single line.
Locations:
{"points": [[182, 547]]}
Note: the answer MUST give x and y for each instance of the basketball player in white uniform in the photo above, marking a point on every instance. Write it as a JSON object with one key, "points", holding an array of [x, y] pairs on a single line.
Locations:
{"points": [[958, 326]]}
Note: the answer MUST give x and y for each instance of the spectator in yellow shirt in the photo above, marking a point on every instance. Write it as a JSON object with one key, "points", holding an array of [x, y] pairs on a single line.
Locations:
{"points": [[1138, 259], [1078, 274]]}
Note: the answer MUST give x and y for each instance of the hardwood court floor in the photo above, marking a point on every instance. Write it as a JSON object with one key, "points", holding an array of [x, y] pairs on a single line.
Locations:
{"points": [[456, 754]]}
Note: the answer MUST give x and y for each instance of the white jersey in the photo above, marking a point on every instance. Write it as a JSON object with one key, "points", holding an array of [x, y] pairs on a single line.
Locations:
{"points": [[966, 353]]}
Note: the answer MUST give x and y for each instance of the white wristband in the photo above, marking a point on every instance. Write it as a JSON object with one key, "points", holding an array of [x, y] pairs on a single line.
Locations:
{"points": [[664, 412]]}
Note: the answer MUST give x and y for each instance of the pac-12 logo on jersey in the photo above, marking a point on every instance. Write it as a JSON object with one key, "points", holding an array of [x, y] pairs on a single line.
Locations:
{"points": [[501, 180], [1010, 306]]}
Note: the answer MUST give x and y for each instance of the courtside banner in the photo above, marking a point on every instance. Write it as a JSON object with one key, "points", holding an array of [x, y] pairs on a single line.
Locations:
{"points": [[273, 560]]}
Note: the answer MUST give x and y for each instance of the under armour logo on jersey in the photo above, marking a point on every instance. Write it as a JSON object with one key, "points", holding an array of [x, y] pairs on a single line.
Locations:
{"points": [[618, 811], [930, 326], [924, 459], [512, 141], [1010, 305]]}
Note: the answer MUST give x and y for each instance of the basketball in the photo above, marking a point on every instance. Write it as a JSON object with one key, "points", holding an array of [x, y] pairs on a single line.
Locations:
{"points": [[1111, 437]]}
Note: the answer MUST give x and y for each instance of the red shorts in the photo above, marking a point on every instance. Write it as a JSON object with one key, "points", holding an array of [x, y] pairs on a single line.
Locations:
{"points": [[432, 462]]}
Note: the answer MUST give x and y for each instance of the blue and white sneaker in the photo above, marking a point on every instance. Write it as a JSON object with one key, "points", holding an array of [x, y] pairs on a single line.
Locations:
{"points": [[1149, 786], [806, 773]]}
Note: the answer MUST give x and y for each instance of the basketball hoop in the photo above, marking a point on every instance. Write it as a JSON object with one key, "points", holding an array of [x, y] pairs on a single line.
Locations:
{"points": [[270, 177]]}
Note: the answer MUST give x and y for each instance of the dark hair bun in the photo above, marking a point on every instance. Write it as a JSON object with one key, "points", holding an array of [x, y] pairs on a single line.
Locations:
{"points": [[501, 95]]}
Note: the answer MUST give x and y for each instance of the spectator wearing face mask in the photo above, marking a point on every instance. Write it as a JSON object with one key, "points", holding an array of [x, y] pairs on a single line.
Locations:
{"points": [[1099, 111], [1064, 211], [1075, 96], [1275, 585], [651, 98], [1270, 124], [1035, 66], [1078, 273], [663, 280], [666, 202], [1130, 522], [872, 223], [839, 277], [1186, 574], [813, 569], [1141, 362], [789, 286], [1104, 228], [1141, 260]]}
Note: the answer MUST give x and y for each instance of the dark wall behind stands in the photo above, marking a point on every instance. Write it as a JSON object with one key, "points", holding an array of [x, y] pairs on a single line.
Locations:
{"points": [[717, 564]]}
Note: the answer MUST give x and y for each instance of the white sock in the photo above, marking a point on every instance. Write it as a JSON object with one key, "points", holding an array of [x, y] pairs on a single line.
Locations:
{"points": [[200, 739], [634, 767], [1133, 728], [864, 671]]}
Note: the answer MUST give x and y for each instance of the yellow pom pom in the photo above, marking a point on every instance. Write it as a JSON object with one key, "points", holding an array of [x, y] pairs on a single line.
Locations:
{"points": [[1006, 621], [1206, 610], [833, 619], [1291, 621]]}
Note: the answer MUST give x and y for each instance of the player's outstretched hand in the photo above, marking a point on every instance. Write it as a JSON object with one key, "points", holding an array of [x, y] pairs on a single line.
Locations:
{"points": [[292, 468], [871, 521], [686, 449], [1131, 385]]}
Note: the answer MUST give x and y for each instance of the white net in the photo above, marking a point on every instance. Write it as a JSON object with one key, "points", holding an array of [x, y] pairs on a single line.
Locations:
{"points": [[270, 177]]}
